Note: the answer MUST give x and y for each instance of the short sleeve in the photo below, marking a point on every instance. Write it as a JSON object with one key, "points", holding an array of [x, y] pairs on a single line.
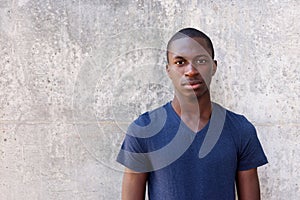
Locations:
{"points": [[251, 154], [132, 155]]}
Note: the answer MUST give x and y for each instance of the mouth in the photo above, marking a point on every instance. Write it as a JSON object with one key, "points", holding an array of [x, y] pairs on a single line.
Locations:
{"points": [[193, 84]]}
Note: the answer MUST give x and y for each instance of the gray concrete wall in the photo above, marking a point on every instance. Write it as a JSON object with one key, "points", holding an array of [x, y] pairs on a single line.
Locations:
{"points": [[73, 74]]}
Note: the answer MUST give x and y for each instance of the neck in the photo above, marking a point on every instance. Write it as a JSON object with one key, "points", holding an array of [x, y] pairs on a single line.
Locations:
{"points": [[190, 106], [194, 112]]}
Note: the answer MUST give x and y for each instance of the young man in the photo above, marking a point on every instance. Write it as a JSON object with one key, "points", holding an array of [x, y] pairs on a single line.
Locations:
{"points": [[191, 148]]}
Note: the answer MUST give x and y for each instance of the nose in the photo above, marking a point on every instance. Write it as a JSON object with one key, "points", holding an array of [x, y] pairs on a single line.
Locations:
{"points": [[191, 70]]}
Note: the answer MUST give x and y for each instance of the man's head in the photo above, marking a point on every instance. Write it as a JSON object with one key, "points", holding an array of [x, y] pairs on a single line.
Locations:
{"points": [[190, 63], [192, 33]]}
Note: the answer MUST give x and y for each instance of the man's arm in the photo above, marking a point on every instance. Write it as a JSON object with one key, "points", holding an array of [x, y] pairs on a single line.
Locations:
{"points": [[248, 185], [134, 185]]}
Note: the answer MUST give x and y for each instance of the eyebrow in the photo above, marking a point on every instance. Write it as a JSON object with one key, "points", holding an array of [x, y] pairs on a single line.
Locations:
{"points": [[181, 57], [203, 56], [178, 57]]}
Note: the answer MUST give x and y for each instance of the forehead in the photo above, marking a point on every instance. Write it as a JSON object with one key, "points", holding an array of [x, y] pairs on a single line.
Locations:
{"points": [[189, 47]]}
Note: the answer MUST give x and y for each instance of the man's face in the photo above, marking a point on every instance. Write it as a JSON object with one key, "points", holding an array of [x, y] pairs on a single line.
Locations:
{"points": [[190, 66]]}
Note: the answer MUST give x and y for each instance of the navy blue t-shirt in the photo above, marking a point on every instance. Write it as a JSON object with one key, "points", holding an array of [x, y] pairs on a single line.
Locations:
{"points": [[158, 142]]}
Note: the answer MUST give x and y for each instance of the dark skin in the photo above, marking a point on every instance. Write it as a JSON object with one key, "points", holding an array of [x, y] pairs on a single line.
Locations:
{"points": [[190, 69]]}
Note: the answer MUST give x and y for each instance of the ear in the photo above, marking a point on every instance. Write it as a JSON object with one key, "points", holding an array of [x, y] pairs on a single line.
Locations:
{"points": [[168, 70], [215, 64]]}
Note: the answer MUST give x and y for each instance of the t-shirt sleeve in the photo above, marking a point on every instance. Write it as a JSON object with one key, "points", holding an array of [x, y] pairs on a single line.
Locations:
{"points": [[132, 156], [133, 152], [251, 154]]}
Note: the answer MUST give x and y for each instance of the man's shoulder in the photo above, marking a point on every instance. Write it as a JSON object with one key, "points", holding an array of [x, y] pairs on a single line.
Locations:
{"points": [[157, 113], [150, 123], [236, 117], [238, 122]]}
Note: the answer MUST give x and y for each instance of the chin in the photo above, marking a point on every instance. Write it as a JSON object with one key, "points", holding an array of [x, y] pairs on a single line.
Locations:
{"points": [[200, 94]]}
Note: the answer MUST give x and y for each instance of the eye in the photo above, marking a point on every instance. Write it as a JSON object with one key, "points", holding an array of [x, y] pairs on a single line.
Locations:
{"points": [[179, 62], [201, 61]]}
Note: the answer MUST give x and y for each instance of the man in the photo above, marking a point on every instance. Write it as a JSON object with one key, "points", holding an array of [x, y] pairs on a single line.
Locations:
{"points": [[191, 148]]}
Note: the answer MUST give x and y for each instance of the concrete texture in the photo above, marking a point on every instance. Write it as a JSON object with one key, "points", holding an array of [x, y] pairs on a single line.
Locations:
{"points": [[73, 74]]}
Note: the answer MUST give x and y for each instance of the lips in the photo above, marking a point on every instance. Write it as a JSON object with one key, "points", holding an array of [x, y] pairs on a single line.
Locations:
{"points": [[193, 82]]}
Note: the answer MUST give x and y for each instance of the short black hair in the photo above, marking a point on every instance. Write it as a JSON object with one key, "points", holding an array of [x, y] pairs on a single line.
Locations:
{"points": [[192, 33]]}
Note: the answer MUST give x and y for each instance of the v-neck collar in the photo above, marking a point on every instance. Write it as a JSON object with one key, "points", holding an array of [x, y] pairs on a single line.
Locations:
{"points": [[178, 119]]}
